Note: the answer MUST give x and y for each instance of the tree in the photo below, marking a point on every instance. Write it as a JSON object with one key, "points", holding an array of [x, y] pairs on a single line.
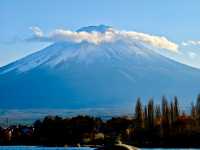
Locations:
{"points": [[157, 111], [158, 115], [165, 112], [198, 109], [146, 117], [193, 114], [139, 114], [151, 113], [193, 111], [176, 109], [172, 112]]}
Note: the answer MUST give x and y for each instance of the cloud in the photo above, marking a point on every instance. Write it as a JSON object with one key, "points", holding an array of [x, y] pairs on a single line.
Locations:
{"points": [[190, 42], [156, 41], [37, 31], [184, 44], [110, 35]]}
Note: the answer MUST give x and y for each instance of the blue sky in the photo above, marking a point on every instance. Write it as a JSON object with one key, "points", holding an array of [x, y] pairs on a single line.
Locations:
{"points": [[177, 20]]}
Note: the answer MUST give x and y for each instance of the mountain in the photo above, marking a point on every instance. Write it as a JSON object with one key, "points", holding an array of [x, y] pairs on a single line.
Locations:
{"points": [[78, 75], [100, 28]]}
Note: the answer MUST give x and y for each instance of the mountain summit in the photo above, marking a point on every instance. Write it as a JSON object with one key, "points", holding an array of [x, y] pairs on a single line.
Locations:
{"points": [[100, 28], [76, 75]]}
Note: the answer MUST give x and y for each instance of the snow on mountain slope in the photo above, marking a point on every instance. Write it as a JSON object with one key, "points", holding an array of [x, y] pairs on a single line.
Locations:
{"points": [[83, 52], [77, 75]]}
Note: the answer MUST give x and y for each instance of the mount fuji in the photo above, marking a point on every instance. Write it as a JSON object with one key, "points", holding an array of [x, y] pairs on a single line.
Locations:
{"points": [[68, 74]]}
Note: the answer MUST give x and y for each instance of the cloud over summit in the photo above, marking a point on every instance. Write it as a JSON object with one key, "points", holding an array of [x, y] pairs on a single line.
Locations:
{"points": [[110, 35]]}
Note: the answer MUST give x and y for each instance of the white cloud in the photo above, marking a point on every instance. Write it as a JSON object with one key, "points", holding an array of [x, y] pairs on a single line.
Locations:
{"points": [[156, 41], [190, 42], [110, 35], [37, 31], [184, 43], [194, 42]]}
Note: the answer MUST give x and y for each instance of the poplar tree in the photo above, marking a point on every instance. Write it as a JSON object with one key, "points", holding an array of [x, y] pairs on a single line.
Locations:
{"points": [[139, 114], [193, 111], [165, 112], [151, 113], [176, 109], [198, 109], [146, 117], [172, 112], [158, 114]]}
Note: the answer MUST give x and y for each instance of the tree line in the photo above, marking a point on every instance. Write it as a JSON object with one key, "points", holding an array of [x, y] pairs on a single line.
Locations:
{"points": [[166, 125], [152, 125]]}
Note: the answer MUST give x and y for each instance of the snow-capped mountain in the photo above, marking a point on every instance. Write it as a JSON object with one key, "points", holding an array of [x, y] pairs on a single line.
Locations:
{"points": [[84, 74], [100, 28]]}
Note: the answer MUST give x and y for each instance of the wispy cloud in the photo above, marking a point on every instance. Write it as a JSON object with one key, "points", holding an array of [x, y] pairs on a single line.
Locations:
{"points": [[184, 44], [190, 42], [37, 31], [110, 35]]}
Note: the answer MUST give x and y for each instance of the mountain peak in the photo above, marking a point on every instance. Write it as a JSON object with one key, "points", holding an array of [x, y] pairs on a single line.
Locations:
{"points": [[99, 28]]}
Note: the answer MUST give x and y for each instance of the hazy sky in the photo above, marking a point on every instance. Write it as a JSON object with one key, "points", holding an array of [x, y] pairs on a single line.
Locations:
{"points": [[177, 20]]}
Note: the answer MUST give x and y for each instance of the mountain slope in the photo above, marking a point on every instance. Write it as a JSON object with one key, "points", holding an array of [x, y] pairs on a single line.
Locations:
{"points": [[77, 75]]}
